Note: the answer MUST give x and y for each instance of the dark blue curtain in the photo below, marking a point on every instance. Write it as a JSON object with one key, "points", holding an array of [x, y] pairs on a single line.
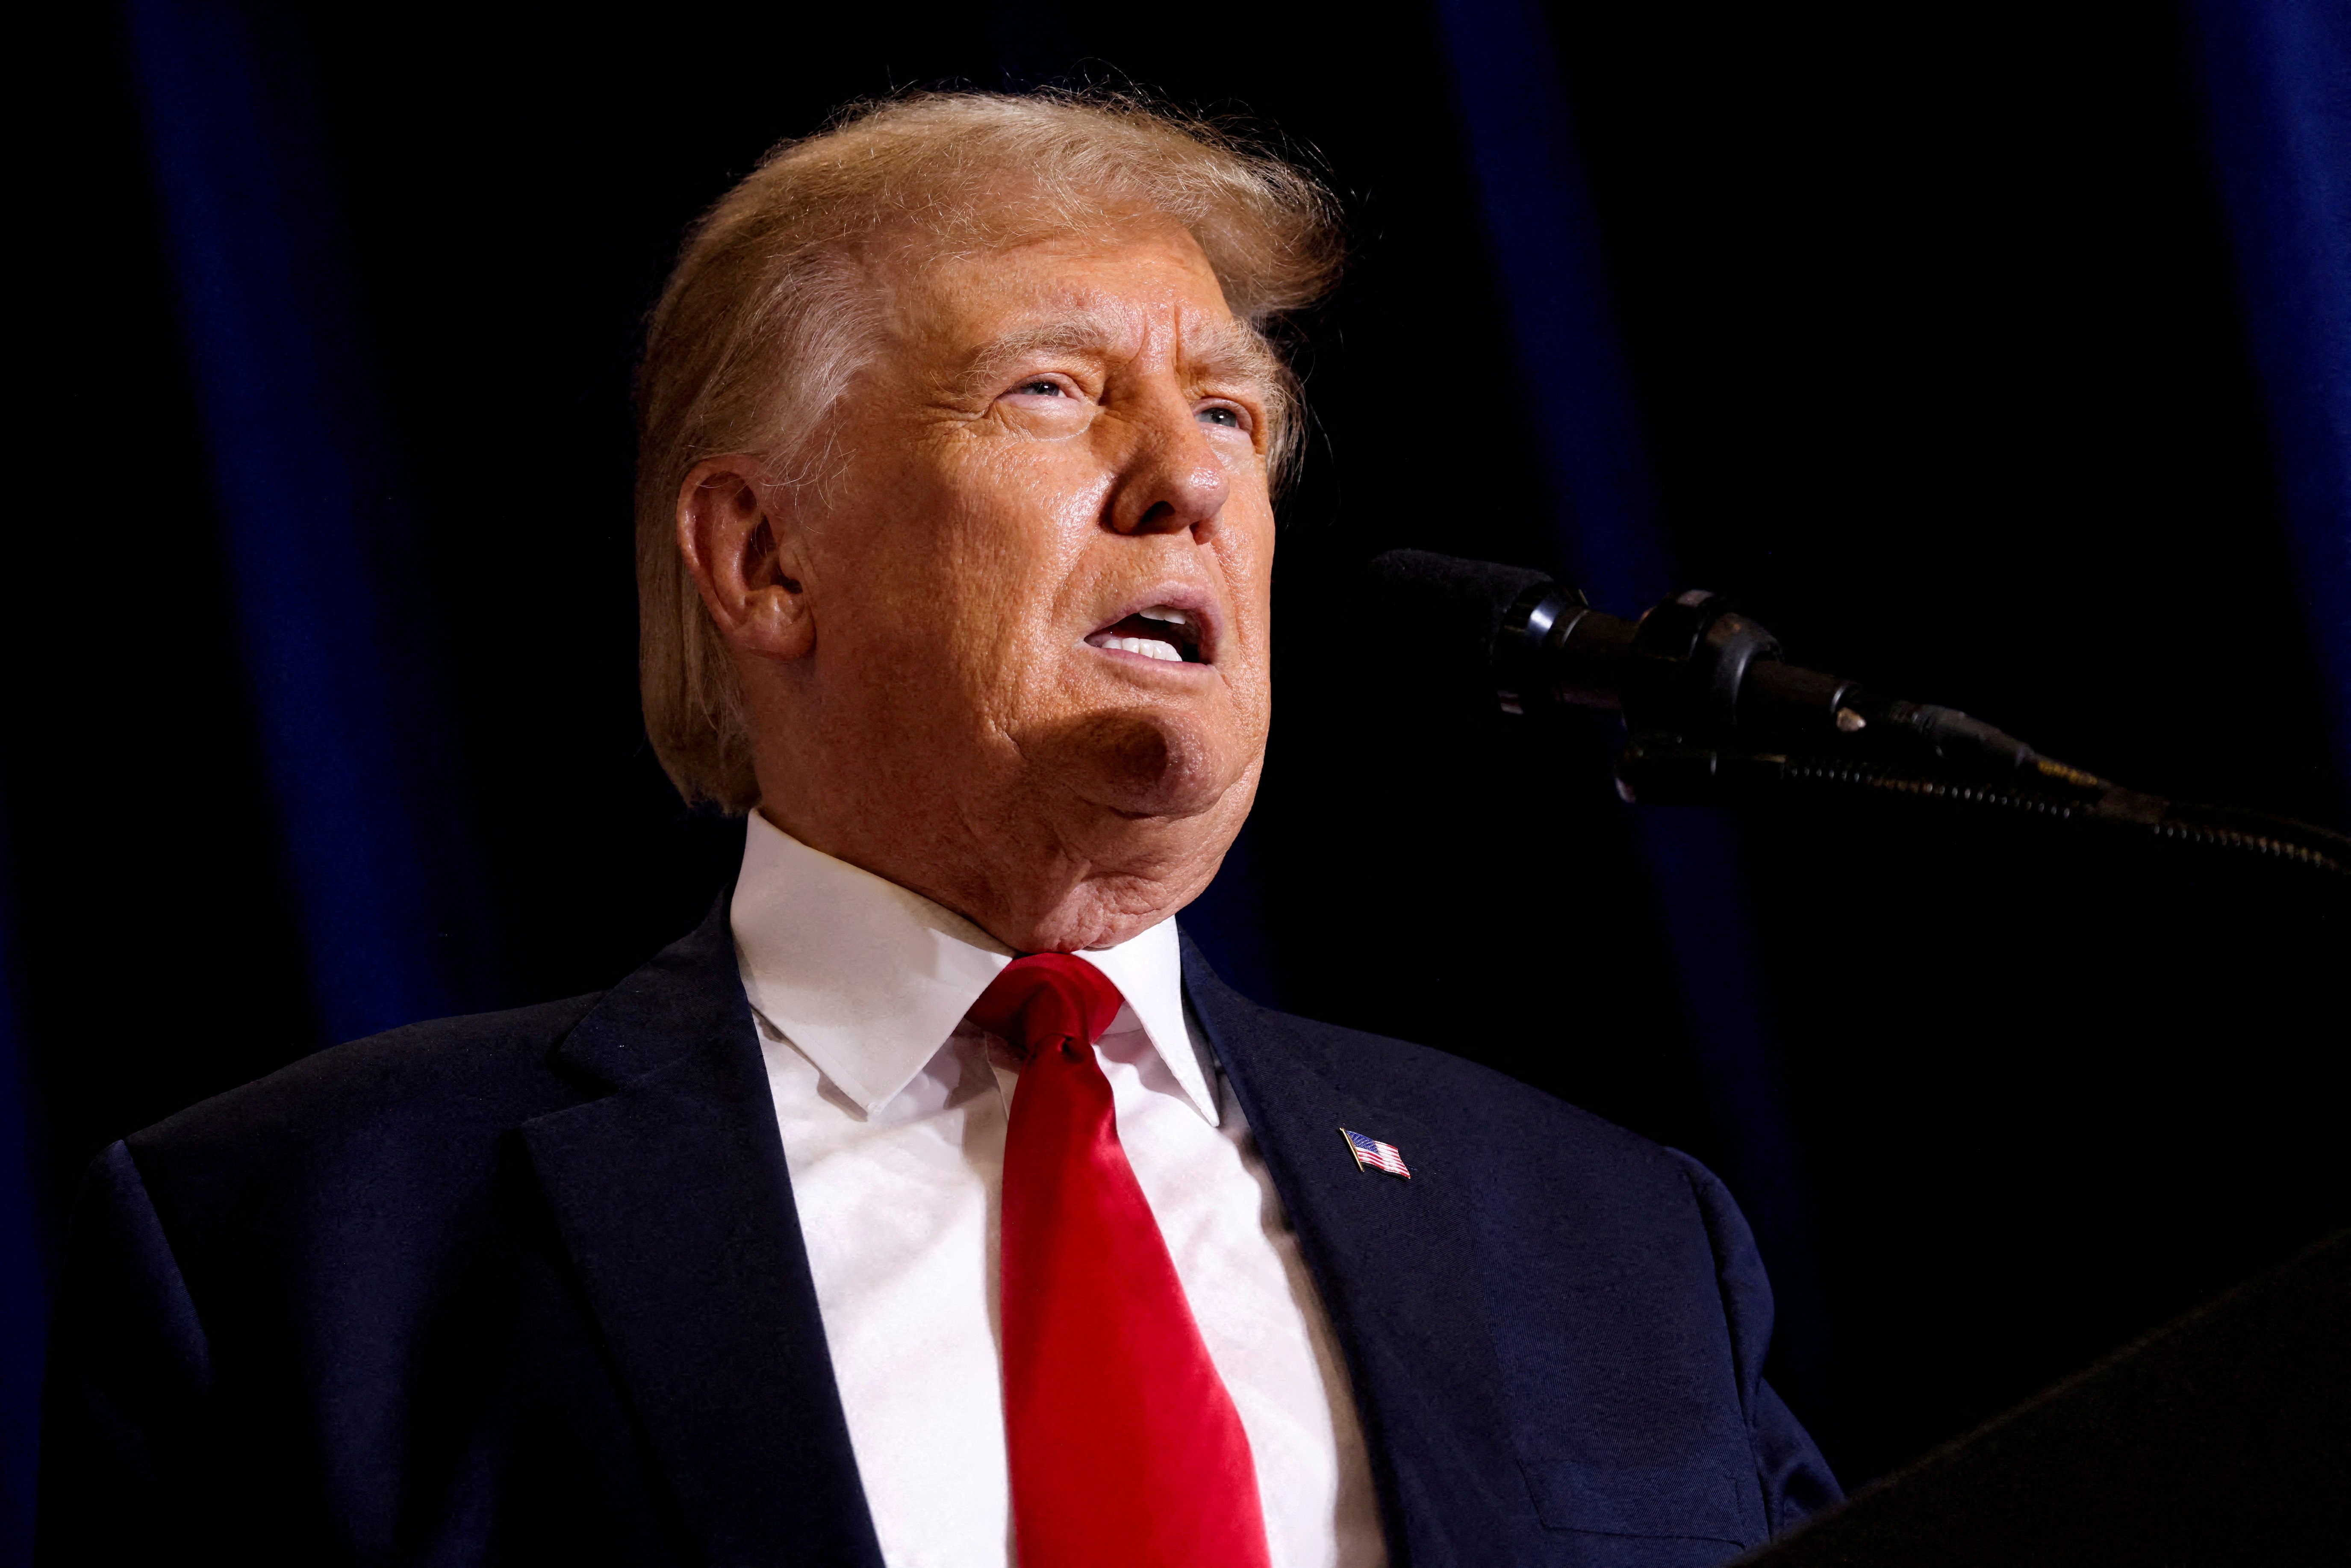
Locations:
{"points": [[375, 843], [2277, 94], [319, 538], [1514, 111]]}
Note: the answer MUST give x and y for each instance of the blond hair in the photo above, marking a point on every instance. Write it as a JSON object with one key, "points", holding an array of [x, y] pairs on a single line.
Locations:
{"points": [[770, 310]]}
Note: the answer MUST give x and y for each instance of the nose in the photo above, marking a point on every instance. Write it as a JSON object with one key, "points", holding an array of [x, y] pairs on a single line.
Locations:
{"points": [[1172, 477]]}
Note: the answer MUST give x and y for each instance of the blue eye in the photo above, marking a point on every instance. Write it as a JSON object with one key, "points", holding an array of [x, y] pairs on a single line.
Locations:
{"points": [[1047, 389], [1228, 417]]}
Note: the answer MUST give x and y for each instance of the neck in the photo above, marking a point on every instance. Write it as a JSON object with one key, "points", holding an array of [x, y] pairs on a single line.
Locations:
{"points": [[1036, 891]]}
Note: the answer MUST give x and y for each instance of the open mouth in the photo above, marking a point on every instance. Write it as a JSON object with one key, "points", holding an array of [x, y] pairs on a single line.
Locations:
{"points": [[1162, 631]]}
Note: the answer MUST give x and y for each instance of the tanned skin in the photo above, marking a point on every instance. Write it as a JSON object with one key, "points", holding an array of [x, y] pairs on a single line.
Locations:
{"points": [[1053, 437]]}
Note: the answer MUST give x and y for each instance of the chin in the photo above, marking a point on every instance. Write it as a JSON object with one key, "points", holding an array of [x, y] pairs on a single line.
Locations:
{"points": [[1150, 763]]}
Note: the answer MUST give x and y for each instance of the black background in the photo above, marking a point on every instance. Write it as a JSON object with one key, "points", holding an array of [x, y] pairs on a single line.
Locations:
{"points": [[1930, 316]]}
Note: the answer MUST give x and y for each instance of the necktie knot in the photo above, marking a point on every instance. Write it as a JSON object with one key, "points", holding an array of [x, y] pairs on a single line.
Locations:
{"points": [[1045, 999]]}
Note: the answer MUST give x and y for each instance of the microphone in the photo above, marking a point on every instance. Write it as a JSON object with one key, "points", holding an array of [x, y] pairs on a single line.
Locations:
{"points": [[1692, 672], [1713, 714]]}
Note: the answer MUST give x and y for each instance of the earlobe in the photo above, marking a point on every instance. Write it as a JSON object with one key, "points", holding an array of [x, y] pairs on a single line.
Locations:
{"points": [[737, 538]]}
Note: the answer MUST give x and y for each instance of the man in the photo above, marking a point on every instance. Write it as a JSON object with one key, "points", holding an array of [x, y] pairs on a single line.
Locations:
{"points": [[932, 1204]]}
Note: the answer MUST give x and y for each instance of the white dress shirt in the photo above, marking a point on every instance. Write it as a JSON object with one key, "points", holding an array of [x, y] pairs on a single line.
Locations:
{"points": [[893, 1110]]}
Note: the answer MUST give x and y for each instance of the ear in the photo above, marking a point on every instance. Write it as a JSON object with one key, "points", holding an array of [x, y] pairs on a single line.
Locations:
{"points": [[740, 541]]}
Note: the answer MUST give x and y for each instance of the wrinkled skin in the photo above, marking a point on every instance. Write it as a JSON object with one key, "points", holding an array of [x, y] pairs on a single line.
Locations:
{"points": [[1054, 436]]}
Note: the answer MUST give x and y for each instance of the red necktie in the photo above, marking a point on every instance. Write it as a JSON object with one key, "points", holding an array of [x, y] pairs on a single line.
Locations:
{"points": [[1125, 1447]]}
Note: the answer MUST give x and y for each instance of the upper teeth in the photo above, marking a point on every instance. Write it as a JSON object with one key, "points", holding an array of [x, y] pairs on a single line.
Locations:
{"points": [[1150, 647]]}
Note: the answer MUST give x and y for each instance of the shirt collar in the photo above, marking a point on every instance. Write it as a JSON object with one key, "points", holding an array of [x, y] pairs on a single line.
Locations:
{"points": [[869, 978]]}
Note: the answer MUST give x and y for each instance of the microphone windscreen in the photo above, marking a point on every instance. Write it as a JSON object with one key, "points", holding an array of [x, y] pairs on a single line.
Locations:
{"points": [[1438, 616]]}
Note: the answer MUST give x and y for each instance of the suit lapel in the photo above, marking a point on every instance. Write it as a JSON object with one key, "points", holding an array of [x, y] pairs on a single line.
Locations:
{"points": [[1391, 1258], [671, 1196]]}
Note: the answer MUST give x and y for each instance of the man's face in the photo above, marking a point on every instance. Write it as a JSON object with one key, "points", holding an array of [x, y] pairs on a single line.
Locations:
{"points": [[1040, 581]]}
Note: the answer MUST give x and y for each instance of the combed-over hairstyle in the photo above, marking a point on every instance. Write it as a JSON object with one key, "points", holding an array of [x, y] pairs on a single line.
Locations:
{"points": [[770, 311]]}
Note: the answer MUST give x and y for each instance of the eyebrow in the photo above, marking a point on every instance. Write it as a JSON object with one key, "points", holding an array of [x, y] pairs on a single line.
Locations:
{"points": [[1224, 349]]}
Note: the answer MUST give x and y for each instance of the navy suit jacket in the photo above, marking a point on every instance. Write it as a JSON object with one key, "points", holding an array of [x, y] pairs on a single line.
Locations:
{"points": [[528, 1287]]}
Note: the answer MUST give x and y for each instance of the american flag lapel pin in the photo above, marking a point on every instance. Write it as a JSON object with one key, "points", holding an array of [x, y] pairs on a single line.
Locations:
{"points": [[1370, 1154]]}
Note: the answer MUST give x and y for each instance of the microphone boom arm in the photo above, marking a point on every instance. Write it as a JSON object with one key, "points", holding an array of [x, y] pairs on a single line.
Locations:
{"points": [[1715, 716]]}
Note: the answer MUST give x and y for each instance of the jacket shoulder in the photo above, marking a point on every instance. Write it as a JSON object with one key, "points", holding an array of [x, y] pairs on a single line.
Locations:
{"points": [[1470, 1105], [428, 1082]]}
